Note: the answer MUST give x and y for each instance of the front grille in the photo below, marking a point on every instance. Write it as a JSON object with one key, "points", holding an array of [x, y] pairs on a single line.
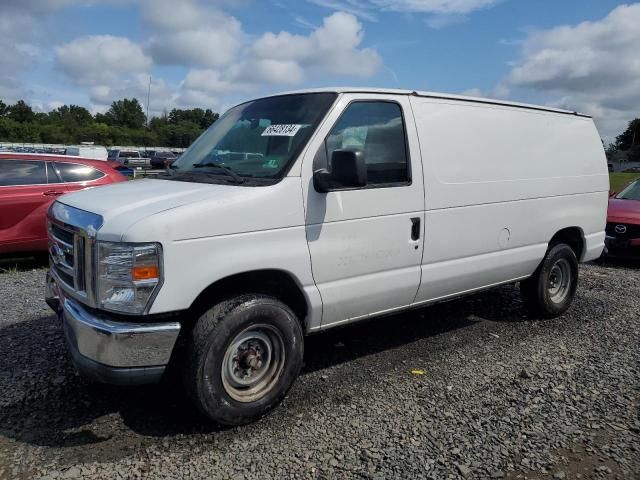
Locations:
{"points": [[623, 230], [66, 257], [62, 234], [72, 233]]}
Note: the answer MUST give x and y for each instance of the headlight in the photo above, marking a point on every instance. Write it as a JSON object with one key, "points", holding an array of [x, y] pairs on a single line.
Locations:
{"points": [[127, 275]]}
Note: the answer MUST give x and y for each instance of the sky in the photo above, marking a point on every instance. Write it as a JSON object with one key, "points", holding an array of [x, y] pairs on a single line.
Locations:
{"points": [[581, 55]]}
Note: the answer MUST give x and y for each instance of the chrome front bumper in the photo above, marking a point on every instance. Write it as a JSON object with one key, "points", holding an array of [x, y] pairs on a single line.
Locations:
{"points": [[112, 351]]}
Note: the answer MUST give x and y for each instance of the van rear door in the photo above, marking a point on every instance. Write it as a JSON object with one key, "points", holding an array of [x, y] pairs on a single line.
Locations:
{"points": [[366, 243]]}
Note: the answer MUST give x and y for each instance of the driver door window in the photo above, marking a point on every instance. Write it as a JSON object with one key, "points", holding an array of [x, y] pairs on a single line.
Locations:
{"points": [[376, 129]]}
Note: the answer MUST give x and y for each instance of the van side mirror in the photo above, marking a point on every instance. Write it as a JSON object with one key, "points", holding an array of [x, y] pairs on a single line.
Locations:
{"points": [[348, 170]]}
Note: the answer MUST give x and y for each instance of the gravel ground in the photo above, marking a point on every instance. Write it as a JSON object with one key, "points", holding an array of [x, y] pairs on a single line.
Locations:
{"points": [[469, 389]]}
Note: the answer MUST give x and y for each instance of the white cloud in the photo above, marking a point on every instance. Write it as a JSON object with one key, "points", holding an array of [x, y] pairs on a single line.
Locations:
{"points": [[441, 21], [54, 105], [473, 92], [441, 7], [95, 59], [196, 98], [25, 40], [191, 33], [207, 48], [330, 49], [273, 71], [171, 15], [359, 8], [34, 5], [16, 49], [500, 91], [593, 67], [444, 12], [221, 60], [113, 68], [161, 94], [287, 59], [304, 23], [38, 6], [208, 81]]}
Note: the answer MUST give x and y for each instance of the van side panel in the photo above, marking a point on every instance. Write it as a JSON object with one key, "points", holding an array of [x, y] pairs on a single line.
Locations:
{"points": [[476, 154], [499, 183]]}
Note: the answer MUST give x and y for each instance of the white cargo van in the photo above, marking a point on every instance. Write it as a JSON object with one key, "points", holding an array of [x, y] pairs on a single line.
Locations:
{"points": [[95, 152], [303, 211]]}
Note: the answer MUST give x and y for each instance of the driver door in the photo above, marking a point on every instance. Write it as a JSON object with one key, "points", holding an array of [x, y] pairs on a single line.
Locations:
{"points": [[366, 243]]}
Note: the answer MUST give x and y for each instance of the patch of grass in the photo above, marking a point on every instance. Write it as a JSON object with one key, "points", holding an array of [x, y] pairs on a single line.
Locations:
{"points": [[9, 269], [20, 263], [620, 180]]}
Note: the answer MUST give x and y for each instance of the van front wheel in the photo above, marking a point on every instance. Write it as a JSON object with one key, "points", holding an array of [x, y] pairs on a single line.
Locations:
{"points": [[550, 290], [243, 355]]}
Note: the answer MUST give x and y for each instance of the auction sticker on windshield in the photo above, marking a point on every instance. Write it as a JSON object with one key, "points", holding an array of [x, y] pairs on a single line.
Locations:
{"points": [[281, 130]]}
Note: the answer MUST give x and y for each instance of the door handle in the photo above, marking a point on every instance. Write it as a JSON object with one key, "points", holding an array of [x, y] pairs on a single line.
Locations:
{"points": [[415, 228], [52, 193]]}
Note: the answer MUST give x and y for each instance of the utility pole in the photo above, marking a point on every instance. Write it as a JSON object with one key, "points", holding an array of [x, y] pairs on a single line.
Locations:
{"points": [[148, 97]]}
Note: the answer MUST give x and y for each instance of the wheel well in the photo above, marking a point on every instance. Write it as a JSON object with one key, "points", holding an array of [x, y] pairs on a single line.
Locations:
{"points": [[276, 283], [572, 236]]}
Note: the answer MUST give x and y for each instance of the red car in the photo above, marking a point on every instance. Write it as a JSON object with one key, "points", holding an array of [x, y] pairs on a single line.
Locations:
{"points": [[28, 185], [623, 222]]}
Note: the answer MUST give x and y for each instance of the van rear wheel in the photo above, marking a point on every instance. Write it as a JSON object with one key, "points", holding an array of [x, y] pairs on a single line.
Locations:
{"points": [[550, 290], [243, 355]]}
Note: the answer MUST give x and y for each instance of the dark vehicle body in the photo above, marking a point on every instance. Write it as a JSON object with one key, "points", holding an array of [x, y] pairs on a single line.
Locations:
{"points": [[162, 159], [623, 222]]}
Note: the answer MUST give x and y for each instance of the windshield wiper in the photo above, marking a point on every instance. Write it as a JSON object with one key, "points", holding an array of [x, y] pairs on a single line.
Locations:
{"points": [[224, 168]]}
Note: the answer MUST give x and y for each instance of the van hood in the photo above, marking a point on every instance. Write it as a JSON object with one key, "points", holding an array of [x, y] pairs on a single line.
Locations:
{"points": [[176, 210], [138, 198]]}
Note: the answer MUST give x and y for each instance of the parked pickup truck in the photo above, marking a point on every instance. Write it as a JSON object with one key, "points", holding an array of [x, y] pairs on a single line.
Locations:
{"points": [[130, 158], [301, 212]]}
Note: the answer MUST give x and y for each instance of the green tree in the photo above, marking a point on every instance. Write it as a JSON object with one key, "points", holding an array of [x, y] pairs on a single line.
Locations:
{"points": [[203, 118], [100, 133], [9, 130], [101, 118], [71, 114], [610, 150], [21, 112], [209, 118], [630, 137], [122, 124], [51, 133], [126, 113]]}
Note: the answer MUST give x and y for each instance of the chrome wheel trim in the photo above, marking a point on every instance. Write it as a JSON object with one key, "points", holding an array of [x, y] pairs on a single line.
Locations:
{"points": [[559, 281], [253, 363]]}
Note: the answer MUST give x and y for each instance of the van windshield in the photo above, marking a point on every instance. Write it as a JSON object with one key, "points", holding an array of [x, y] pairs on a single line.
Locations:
{"points": [[632, 192], [257, 140]]}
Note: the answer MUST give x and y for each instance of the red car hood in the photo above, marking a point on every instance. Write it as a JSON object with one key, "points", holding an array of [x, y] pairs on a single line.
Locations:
{"points": [[623, 211]]}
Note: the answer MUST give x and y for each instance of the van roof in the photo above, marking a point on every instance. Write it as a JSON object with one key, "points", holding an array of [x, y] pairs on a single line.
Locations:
{"points": [[435, 95], [87, 147]]}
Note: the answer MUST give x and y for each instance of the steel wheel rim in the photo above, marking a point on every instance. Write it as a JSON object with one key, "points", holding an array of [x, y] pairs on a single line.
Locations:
{"points": [[253, 362], [559, 282]]}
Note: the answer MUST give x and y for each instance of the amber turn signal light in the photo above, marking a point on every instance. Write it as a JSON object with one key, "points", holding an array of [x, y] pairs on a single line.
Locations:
{"points": [[150, 272]]}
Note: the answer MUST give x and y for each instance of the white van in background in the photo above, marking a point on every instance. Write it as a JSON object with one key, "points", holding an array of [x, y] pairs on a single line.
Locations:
{"points": [[303, 211], [95, 152]]}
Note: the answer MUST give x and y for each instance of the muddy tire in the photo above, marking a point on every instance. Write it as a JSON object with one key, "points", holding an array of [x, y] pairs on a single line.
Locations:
{"points": [[550, 290], [243, 356]]}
